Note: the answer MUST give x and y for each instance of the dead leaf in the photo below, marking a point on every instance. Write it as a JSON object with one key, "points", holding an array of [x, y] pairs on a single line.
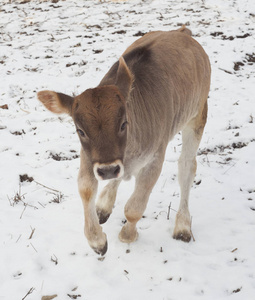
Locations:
{"points": [[49, 297]]}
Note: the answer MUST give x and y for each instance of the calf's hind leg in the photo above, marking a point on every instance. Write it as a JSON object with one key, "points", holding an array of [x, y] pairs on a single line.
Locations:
{"points": [[106, 200], [187, 165]]}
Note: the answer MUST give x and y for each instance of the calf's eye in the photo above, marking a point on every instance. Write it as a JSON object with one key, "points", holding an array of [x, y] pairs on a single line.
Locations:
{"points": [[80, 132], [123, 126]]}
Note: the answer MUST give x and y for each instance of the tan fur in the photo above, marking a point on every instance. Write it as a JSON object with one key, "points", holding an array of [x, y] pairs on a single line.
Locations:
{"points": [[158, 87]]}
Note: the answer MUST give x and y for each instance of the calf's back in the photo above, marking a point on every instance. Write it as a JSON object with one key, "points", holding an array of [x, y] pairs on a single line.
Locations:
{"points": [[171, 74]]}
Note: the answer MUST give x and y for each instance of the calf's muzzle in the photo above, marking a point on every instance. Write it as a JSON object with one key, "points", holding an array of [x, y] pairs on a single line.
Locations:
{"points": [[108, 171]]}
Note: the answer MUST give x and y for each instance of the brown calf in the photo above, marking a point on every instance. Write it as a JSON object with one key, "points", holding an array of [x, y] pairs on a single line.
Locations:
{"points": [[158, 88]]}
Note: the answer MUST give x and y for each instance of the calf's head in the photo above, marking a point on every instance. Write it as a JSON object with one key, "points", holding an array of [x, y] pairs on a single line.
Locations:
{"points": [[100, 118]]}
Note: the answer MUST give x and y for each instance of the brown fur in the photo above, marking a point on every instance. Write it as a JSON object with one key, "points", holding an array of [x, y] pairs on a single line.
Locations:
{"points": [[158, 88]]}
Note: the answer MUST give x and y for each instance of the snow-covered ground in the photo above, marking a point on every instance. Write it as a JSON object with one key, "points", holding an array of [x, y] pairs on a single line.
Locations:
{"points": [[68, 46]]}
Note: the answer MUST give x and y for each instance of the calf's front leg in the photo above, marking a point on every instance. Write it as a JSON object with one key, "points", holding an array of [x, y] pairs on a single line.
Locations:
{"points": [[87, 184], [136, 205]]}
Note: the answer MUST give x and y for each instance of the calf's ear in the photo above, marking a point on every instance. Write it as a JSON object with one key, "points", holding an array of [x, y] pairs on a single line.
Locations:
{"points": [[124, 78], [56, 102]]}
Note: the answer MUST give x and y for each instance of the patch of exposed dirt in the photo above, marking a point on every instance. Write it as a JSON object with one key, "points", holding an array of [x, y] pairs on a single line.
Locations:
{"points": [[25, 177], [60, 156], [231, 38], [222, 148]]}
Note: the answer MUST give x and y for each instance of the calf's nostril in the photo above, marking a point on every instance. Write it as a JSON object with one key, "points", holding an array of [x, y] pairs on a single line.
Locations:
{"points": [[100, 172], [116, 170]]}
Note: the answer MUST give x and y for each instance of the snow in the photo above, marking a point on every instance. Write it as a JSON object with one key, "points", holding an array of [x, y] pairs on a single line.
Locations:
{"points": [[68, 46]]}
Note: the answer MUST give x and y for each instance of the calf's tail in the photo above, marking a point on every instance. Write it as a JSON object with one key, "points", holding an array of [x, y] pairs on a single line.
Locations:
{"points": [[185, 30]]}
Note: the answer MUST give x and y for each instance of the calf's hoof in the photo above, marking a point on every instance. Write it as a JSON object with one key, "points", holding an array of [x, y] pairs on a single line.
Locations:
{"points": [[98, 243], [184, 236], [101, 250], [182, 230], [128, 236], [103, 216]]}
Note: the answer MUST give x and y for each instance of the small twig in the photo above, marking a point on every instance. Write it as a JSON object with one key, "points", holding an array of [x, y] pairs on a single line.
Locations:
{"points": [[28, 112], [174, 210], [234, 250], [29, 205], [19, 238], [23, 210], [161, 212], [17, 197], [163, 186], [46, 186], [126, 273], [31, 235], [229, 168], [226, 71], [33, 247], [29, 292], [57, 198], [55, 260], [9, 36], [11, 204], [168, 213], [41, 204]]}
